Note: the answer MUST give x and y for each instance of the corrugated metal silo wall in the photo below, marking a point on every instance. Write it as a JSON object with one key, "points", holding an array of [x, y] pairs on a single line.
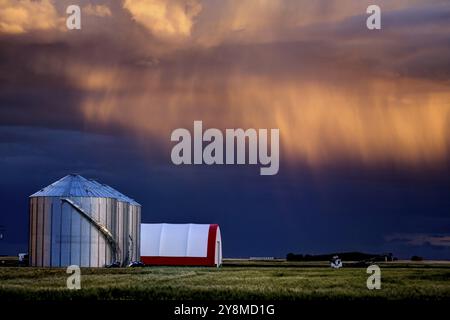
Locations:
{"points": [[60, 236], [128, 233], [138, 242], [135, 232], [120, 233]]}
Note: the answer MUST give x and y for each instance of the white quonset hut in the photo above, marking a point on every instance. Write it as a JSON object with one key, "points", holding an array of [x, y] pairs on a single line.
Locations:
{"points": [[82, 222], [181, 244]]}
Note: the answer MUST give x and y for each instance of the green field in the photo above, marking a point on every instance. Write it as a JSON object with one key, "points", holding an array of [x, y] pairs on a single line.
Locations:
{"points": [[236, 280]]}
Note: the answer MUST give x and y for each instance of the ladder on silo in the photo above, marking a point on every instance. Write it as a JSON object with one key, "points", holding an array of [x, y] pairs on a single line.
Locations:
{"points": [[103, 230]]}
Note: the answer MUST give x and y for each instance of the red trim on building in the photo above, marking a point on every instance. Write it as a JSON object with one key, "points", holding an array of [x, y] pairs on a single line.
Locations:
{"points": [[212, 243], [176, 261], [189, 261]]}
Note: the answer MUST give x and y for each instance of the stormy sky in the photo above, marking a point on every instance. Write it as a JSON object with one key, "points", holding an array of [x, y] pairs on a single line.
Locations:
{"points": [[364, 116]]}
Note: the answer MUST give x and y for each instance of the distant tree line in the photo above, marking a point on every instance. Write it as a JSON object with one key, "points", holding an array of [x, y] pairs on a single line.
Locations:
{"points": [[345, 256]]}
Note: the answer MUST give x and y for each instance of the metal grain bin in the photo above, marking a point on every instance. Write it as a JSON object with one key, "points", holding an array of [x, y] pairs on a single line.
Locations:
{"points": [[79, 221], [129, 211]]}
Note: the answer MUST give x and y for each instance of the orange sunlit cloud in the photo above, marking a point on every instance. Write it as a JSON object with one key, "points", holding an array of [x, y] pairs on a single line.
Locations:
{"points": [[336, 91], [387, 120]]}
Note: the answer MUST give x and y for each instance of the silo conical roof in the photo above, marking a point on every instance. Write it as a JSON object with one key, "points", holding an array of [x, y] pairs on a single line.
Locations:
{"points": [[117, 194], [74, 185]]}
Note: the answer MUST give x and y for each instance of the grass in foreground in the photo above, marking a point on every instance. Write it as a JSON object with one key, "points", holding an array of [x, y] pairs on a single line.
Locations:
{"points": [[426, 283]]}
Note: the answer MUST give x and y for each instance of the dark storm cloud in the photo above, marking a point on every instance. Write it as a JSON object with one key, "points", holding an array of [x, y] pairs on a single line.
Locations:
{"points": [[36, 96], [318, 60], [421, 239], [414, 42]]}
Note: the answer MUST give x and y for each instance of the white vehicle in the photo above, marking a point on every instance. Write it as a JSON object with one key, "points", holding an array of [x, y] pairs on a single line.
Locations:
{"points": [[336, 263]]}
